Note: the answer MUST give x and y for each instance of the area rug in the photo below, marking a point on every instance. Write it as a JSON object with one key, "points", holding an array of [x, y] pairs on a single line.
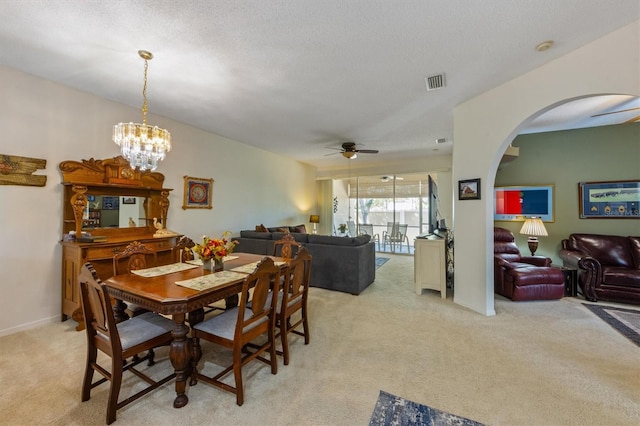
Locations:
{"points": [[391, 410], [626, 321], [381, 261]]}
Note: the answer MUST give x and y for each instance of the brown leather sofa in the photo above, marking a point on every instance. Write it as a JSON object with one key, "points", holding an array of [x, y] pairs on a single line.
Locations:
{"points": [[608, 266], [523, 277]]}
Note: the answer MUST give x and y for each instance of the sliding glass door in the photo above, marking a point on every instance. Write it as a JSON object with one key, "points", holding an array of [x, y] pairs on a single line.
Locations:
{"points": [[392, 209]]}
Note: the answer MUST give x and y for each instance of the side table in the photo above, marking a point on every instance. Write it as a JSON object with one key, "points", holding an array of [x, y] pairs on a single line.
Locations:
{"points": [[570, 280]]}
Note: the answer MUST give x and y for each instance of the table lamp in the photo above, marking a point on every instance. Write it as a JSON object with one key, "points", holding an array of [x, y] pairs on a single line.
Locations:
{"points": [[533, 227], [315, 219]]}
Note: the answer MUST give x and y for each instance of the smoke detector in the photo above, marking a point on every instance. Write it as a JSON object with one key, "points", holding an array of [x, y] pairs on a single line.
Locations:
{"points": [[435, 81]]}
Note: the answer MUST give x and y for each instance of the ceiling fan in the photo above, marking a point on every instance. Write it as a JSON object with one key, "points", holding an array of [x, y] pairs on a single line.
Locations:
{"points": [[349, 150]]}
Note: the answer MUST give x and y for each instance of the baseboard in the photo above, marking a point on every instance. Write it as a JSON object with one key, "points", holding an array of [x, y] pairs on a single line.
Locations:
{"points": [[29, 325]]}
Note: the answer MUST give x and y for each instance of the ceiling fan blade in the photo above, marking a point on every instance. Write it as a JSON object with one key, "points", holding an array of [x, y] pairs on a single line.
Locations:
{"points": [[367, 151], [334, 153], [614, 112], [633, 120]]}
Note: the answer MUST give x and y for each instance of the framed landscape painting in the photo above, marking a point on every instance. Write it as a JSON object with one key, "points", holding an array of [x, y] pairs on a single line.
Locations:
{"points": [[516, 203], [609, 200]]}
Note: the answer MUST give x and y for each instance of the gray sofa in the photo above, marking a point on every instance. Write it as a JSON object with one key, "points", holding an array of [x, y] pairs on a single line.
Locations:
{"points": [[339, 263]]}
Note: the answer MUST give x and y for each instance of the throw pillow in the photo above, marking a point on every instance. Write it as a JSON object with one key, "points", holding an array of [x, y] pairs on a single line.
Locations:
{"points": [[301, 229], [261, 228], [285, 230]]}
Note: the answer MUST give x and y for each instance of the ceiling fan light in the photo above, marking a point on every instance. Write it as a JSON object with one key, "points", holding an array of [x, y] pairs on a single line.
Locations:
{"points": [[350, 155]]}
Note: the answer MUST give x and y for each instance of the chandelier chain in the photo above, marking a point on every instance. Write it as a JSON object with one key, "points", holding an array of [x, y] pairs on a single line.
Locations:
{"points": [[144, 93]]}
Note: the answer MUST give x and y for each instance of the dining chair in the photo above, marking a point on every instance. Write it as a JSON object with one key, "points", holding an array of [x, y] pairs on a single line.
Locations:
{"points": [[294, 298], [118, 341], [235, 328], [367, 229], [284, 247], [182, 252], [133, 257]]}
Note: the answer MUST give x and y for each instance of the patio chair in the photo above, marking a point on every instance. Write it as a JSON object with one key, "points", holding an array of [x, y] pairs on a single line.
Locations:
{"points": [[367, 229], [395, 233]]}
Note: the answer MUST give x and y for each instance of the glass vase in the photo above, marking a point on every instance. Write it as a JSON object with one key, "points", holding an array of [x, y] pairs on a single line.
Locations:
{"points": [[217, 264], [207, 265]]}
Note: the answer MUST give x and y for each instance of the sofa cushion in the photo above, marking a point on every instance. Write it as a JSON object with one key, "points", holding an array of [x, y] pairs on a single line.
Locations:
{"points": [[608, 249], [635, 250], [339, 241], [255, 234]]}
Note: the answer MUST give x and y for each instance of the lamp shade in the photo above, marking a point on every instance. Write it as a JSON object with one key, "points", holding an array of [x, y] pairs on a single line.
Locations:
{"points": [[314, 218], [534, 226]]}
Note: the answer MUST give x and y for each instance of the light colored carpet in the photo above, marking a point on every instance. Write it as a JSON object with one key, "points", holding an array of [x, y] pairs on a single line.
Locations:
{"points": [[535, 363]]}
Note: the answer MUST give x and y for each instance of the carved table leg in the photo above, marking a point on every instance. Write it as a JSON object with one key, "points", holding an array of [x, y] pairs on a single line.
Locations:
{"points": [[196, 352], [231, 301], [119, 311], [180, 353]]}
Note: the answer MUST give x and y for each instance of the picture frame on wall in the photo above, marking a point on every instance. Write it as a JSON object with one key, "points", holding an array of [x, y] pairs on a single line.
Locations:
{"points": [[469, 189], [197, 193], [128, 200], [609, 200], [516, 203]]}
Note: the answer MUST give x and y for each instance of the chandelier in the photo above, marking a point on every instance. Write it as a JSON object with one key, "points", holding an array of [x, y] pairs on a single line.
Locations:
{"points": [[142, 145]]}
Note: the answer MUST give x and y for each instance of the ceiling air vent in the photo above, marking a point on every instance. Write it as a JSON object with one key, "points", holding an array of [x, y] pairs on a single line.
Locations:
{"points": [[435, 81], [441, 140]]}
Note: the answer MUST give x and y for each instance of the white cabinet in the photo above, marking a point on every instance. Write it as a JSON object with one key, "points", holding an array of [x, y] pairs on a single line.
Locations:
{"points": [[430, 265]]}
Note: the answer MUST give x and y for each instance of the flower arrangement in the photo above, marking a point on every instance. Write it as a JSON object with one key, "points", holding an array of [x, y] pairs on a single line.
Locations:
{"points": [[214, 247]]}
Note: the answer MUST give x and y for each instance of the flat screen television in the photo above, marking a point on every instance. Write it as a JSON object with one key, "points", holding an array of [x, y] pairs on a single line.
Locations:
{"points": [[432, 192]]}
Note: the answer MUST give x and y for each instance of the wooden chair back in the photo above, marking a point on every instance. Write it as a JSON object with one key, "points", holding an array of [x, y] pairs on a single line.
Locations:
{"points": [[284, 247], [135, 256], [100, 322], [261, 319], [182, 251]]}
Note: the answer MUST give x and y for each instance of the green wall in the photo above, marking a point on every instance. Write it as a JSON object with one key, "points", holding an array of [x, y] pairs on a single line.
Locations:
{"points": [[564, 159]]}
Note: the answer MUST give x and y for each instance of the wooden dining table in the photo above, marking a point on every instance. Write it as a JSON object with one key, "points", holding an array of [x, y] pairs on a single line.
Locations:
{"points": [[161, 294]]}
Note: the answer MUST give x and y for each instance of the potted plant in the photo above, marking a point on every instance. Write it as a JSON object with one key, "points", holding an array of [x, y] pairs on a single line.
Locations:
{"points": [[342, 228]]}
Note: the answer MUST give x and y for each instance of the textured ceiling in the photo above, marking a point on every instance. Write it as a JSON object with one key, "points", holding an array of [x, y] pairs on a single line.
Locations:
{"points": [[296, 77]]}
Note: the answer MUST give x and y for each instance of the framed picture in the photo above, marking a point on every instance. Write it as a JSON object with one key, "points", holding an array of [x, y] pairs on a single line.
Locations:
{"points": [[516, 203], [110, 203], [128, 200], [609, 200], [469, 189], [197, 193]]}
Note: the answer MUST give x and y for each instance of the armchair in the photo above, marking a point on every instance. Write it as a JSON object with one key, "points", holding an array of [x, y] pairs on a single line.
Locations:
{"points": [[523, 277]]}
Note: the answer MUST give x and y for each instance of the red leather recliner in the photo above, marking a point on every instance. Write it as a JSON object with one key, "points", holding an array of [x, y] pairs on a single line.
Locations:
{"points": [[523, 277]]}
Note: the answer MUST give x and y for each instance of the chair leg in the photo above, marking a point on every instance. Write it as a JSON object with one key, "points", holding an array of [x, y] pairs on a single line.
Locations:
{"points": [[237, 374], [151, 357], [285, 341], [88, 373], [114, 389], [305, 325], [272, 349]]}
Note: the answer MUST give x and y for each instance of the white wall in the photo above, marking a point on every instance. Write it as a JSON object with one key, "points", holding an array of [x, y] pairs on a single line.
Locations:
{"points": [[485, 125], [45, 120]]}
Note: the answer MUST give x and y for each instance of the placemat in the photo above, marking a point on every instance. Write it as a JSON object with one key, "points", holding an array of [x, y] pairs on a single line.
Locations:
{"points": [[198, 262], [208, 281], [250, 267], [163, 270]]}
